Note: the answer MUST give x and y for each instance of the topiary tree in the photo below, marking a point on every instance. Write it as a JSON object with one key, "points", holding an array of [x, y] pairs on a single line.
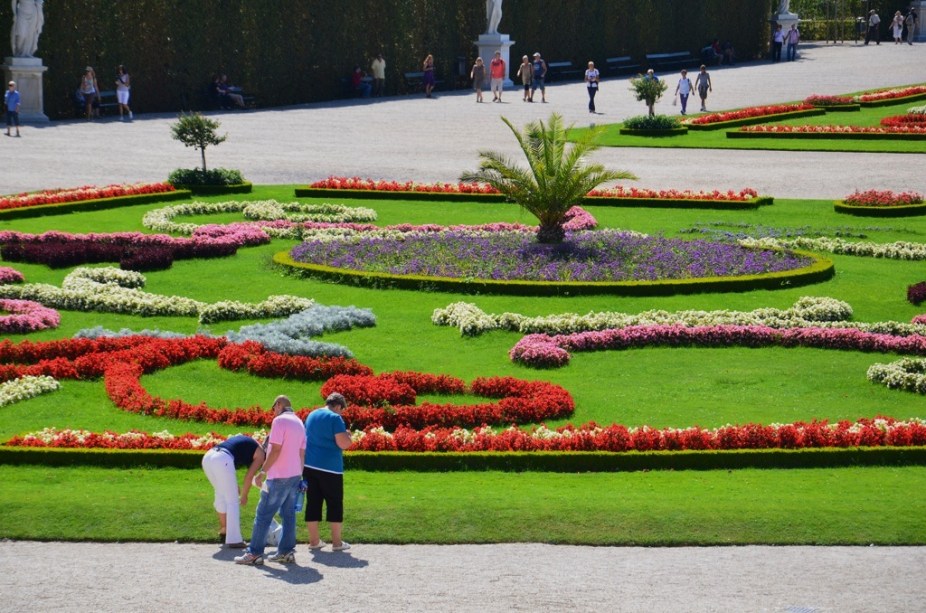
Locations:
{"points": [[194, 130], [556, 177], [648, 89]]}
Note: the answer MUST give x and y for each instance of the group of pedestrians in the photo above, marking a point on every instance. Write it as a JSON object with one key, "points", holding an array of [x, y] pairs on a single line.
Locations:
{"points": [[902, 27], [297, 457], [532, 75], [89, 92], [788, 40]]}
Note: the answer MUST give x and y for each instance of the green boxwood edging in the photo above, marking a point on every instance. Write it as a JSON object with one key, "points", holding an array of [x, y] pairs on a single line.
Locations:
{"points": [[746, 121], [98, 204], [890, 101], [820, 270], [537, 461], [679, 203], [375, 194], [907, 210], [830, 135], [217, 190], [669, 132], [840, 108]]}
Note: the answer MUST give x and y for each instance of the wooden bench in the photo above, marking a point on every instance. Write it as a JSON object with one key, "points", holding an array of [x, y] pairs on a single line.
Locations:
{"points": [[621, 65], [557, 71], [414, 82], [107, 102], [667, 61]]}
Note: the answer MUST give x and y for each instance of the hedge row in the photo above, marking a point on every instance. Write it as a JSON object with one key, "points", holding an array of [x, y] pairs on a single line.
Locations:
{"points": [[746, 121], [98, 204], [822, 269], [217, 190], [539, 461], [910, 210], [657, 133]]}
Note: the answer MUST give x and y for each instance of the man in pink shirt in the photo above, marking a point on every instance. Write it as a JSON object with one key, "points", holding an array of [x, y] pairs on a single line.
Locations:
{"points": [[283, 472], [497, 75]]}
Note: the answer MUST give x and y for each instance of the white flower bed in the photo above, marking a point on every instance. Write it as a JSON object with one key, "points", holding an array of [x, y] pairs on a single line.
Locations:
{"points": [[25, 388], [906, 374], [900, 250]]}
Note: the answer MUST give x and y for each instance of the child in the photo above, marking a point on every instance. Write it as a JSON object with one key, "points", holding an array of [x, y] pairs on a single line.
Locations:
{"points": [[11, 104]]}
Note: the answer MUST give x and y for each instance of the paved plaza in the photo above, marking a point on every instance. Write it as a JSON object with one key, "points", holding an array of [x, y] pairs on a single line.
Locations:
{"points": [[436, 139]]}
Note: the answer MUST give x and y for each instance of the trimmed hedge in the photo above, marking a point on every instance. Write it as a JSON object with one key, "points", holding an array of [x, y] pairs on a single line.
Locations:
{"points": [[538, 461], [217, 190], [97, 204], [667, 132], [909, 210], [824, 135], [821, 270], [747, 121], [840, 108]]}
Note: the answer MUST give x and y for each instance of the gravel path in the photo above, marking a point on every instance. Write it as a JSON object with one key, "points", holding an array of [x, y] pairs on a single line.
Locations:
{"points": [[430, 140], [480, 578]]}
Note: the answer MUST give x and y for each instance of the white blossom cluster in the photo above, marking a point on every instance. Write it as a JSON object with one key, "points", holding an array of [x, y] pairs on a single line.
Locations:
{"points": [[101, 332], [899, 250], [917, 110], [292, 335], [24, 388], [905, 374], [271, 210], [807, 311], [112, 290]]}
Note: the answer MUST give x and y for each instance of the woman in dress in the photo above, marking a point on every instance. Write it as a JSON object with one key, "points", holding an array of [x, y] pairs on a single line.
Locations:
{"points": [[526, 72], [428, 79], [478, 75], [592, 78], [897, 27], [89, 89]]}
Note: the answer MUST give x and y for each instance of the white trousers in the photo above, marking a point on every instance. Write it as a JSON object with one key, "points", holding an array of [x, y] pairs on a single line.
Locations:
{"points": [[220, 470]]}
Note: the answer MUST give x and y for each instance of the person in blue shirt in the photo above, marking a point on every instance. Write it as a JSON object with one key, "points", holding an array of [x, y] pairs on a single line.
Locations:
{"points": [[11, 101], [326, 439], [220, 465]]}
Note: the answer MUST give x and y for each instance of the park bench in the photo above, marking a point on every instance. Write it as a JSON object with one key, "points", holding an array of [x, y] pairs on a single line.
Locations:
{"points": [[414, 82], [561, 71], [107, 102], [621, 65], [669, 61]]}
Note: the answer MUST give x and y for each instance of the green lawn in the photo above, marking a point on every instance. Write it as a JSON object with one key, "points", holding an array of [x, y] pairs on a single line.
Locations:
{"points": [[657, 387]]}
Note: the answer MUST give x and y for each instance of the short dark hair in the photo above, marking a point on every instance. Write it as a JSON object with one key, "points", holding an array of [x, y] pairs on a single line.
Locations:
{"points": [[336, 399]]}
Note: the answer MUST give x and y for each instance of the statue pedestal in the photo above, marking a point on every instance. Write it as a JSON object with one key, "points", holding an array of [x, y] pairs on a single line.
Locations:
{"points": [[786, 19], [27, 72], [490, 43], [920, 7]]}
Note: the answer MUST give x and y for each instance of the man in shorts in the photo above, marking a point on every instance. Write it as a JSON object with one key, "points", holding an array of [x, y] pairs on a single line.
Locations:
{"points": [[540, 74], [497, 73]]}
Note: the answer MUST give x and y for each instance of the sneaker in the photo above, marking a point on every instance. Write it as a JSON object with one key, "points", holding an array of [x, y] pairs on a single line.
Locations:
{"points": [[249, 559], [318, 545], [131, 116], [283, 558], [344, 546]]}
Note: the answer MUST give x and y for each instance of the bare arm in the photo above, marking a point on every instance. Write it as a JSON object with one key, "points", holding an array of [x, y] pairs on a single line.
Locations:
{"points": [[249, 476], [343, 440]]}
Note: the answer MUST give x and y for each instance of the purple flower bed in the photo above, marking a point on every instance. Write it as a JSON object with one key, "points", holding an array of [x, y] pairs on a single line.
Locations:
{"points": [[552, 351], [583, 256], [916, 293]]}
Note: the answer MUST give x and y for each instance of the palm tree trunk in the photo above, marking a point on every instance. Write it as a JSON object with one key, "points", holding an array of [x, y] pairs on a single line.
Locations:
{"points": [[551, 233]]}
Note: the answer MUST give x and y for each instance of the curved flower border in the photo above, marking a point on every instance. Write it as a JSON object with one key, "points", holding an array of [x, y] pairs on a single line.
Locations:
{"points": [[26, 316], [906, 374], [80, 194]]}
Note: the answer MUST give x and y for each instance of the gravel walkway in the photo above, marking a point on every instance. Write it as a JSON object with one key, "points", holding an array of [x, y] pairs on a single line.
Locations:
{"points": [[430, 140]]}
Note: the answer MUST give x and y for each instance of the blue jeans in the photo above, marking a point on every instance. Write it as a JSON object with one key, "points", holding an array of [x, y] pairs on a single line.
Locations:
{"points": [[279, 497], [792, 52]]}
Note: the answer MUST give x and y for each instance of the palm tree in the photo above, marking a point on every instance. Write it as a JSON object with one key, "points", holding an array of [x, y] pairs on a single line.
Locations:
{"points": [[556, 177]]}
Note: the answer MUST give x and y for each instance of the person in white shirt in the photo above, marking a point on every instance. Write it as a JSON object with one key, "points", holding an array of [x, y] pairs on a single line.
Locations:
{"points": [[592, 79], [874, 28], [683, 90]]}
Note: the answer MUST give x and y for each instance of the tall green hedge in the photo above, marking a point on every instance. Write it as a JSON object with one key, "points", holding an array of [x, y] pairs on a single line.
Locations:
{"points": [[295, 51]]}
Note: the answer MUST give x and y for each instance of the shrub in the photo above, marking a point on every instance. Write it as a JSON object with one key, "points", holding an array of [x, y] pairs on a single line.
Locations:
{"points": [[198, 176], [652, 122], [916, 293]]}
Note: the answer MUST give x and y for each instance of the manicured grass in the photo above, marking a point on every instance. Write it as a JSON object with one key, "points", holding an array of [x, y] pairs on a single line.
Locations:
{"points": [[658, 387], [851, 506], [717, 139]]}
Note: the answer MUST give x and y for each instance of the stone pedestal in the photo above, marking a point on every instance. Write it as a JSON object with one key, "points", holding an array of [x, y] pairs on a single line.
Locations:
{"points": [[488, 44], [786, 19], [920, 7], [27, 72]]}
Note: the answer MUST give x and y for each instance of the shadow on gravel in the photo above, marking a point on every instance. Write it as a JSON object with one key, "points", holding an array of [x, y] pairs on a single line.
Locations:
{"points": [[338, 559], [291, 573]]}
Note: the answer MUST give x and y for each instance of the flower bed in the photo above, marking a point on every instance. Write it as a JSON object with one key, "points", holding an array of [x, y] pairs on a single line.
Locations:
{"points": [[882, 203], [833, 103], [877, 432], [619, 195], [552, 351], [907, 132], [906, 374], [26, 387], [892, 96], [898, 250], [10, 275], [85, 198], [355, 187], [26, 316], [916, 293], [755, 114]]}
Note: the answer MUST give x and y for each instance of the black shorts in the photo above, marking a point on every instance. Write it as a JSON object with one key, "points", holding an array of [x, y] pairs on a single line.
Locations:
{"points": [[323, 487]]}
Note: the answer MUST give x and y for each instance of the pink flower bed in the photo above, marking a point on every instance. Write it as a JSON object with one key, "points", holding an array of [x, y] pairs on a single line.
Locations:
{"points": [[877, 432], [749, 113], [620, 191], [899, 129], [78, 194], [26, 316], [356, 183], [890, 94], [551, 351], [10, 275], [875, 197], [920, 319]]}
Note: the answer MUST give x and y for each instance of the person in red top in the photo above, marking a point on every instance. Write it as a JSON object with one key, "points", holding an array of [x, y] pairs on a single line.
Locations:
{"points": [[497, 72]]}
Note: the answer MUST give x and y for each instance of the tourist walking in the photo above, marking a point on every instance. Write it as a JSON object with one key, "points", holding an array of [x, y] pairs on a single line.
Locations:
{"points": [[778, 39], [704, 85], [874, 28], [497, 74], [540, 77], [11, 101], [428, 78], [89, 89], [526, 74], [220, 464], [326, 439], [378, 70], [592, 79], [278, 479], [683, 90], [123, 85], [897, 28], [791, 39], [478, 75]]}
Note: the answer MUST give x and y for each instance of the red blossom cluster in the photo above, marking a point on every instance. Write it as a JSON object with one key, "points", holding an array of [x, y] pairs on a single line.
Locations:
{"points": [[915, 119], [823, 100], [749, 113], [356, 183], [785, 129], [252, 357], [620, 191], [877, 197], [78, 194], [890, 94]]}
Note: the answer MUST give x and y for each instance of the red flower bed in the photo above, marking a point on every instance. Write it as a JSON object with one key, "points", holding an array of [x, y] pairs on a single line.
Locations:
{"points": [[910, 119], [620, 191], [78, 194], [880, 198], [356, 183], [748, 113], [890, 94], [899, 129], [819, 100], [253, 358]]}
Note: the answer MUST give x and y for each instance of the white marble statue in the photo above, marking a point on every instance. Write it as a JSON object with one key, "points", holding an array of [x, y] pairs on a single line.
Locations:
{"points": [[784, 7], [27, 25], [493, 15]]}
